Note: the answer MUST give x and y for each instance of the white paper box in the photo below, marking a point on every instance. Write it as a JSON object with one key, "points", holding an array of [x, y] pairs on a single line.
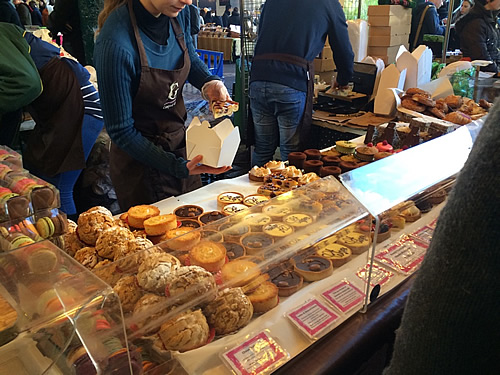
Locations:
{"points": [[218, 145], [358, 36], [385, 103], [418, 65]]}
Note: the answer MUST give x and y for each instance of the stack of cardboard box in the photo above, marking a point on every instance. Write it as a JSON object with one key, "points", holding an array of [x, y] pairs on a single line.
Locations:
{"points": [[324, 62], [389, 29]]}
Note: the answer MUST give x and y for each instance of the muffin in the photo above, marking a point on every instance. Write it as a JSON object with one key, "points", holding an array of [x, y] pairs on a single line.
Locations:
{"points": [[297, 159], [312, 154], [312, 166], [129, 292]]}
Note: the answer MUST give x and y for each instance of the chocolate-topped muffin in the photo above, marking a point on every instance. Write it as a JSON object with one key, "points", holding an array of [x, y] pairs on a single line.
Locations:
{"points": [[330, 160], [297, 159], [330, 171], [312, 154], [313, 166]]}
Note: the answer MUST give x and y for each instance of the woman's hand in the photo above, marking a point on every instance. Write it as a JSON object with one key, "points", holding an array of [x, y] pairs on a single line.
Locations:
{"points": [[215, 91], [195, 167]]}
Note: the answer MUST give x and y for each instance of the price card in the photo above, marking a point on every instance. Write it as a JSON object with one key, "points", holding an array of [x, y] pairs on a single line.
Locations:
{"points": [[260, 354], [379, 275], [423, 234], [433, 223], [404, 255], [313, 318], [344, 296]]}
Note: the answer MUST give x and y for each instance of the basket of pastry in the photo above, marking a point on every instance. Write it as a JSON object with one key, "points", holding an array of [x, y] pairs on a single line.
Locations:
{"points": [[455, 109]]}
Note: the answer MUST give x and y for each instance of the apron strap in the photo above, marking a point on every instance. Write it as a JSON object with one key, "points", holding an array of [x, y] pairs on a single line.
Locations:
{"points": [[140, 45], [179, 34]]}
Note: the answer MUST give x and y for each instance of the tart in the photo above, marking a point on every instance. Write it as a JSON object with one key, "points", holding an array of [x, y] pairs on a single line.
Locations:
{"points": [[211, 216], [338, 254], [276, 211], [254, 199], [357, 242], [233, 232], [384, 146], [313, 166], [411, 214], [138, 214], [381, 155], [258, 173], [234, 250], [239, 272], [307, 178], [330, 161], [287, 281], [183, 238], [298, 220], [189, 223], [265, 297], [331, 171], [350, 158], [292, 172], [256, 221], [275, 165], [231, 209], [331, 152], [188, 211], [277, 229], [255, 242], [159, 225], [270, 190], [211, 235], [312, 267], [365, 153], [437, 197], [230, 197], [209, 255]]}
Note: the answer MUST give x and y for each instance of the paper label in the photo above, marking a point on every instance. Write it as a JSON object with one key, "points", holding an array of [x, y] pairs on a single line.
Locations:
{"points": [[344, 296], [312, 317], [404, 255], [424, 235], [260, 354], [379, 275]]}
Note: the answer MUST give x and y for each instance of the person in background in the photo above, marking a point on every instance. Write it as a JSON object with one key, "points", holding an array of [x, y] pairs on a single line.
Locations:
{"points": [[450, 322], [208, 16], [479, 34], [20, 83], [226, 15], [44, 11], [50, 5], [282, 72], [194, 20], [462, 11], [8, 13], [24, 12], [235, 18], [36, 15], [67, 117], [216, 19], [144, 55], [425, 20]]}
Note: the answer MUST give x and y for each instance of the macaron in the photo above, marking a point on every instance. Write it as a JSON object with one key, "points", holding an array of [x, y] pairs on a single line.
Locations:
{"points": [[45, 227], [42, 197], [21, 240], [42, 261], [60, 223]]}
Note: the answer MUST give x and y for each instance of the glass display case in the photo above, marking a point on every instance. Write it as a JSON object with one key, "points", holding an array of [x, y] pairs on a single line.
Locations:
{"points": [[58, 318]]}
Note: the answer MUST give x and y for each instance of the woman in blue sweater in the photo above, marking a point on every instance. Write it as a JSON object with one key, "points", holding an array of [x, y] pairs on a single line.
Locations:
{"points": [[144, 54]]}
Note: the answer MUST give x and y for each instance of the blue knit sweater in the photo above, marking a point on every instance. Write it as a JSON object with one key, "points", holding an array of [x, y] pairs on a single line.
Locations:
{"points": [[118, 74], [300, 28]]}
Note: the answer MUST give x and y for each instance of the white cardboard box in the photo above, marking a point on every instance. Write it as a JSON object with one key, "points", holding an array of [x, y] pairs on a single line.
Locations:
{"points": [[385, 103], [218, 145], [418, 65]]}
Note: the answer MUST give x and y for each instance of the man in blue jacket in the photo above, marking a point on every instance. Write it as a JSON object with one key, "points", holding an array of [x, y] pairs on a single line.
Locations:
{"points": [[291, 34], [425, 20]]}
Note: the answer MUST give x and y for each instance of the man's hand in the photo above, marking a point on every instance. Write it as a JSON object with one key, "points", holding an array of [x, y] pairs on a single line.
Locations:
{"points": [[214, 91], [195, 167]]}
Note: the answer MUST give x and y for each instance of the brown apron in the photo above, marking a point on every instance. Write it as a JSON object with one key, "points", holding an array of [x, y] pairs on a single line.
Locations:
{"points": [[55, 145], [159, 115], [305, 124]]}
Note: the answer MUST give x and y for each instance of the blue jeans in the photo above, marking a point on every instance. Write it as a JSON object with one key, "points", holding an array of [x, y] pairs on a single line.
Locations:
{"points": [[65, 181], [277, 111]]}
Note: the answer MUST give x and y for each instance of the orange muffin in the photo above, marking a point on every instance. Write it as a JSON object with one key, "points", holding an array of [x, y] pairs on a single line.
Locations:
{"points": [[158, 225], [138, 214], [209, 255], [183, 238]]}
